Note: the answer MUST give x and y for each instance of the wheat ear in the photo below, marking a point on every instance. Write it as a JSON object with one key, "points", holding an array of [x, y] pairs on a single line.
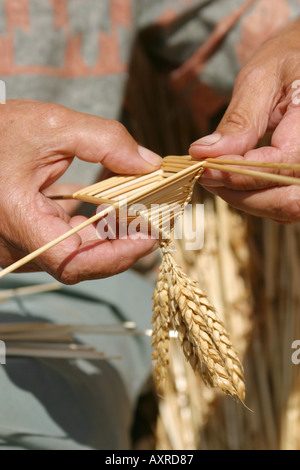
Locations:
{"points": [[202, 335], [161, 326]]}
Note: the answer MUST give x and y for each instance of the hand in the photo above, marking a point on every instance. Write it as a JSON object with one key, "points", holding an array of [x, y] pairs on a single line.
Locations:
{"points": [[38, 142], [265, 98]]}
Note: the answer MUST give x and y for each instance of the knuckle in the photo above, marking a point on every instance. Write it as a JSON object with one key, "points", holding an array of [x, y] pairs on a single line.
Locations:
{"points": [[237, 118], [117, 130], [252, 75], [55, 116], [115, 135], [248, 97]]}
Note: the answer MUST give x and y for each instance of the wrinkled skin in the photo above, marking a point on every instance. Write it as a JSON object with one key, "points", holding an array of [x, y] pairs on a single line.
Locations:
{"points": [[265, 98], [38, 142]]}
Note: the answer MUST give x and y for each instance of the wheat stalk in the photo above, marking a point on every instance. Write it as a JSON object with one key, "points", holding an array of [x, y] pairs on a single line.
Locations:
{"points": [[179, 301]]}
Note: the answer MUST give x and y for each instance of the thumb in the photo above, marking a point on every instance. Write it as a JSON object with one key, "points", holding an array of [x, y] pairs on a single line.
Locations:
{"points": [[260, 198], [245, 121], [97, 140]]}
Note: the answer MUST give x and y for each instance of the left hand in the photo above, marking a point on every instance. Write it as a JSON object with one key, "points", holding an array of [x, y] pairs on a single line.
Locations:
{"points": [[38, 142], [265, 98]]}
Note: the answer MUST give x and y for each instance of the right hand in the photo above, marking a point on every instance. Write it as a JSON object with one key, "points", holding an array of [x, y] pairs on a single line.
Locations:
{"points": [[265, 97]]}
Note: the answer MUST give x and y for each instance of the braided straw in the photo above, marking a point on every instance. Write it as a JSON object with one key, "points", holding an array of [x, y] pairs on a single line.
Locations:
{"points": [[179, 302]]}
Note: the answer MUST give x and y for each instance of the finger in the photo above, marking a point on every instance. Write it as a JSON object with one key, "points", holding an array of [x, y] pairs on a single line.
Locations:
{"points": [[104, 141], [100, 259], [281, 204], [96, 259], [239, 182], [246, 119], [9, 254], [285, 148], [81, 256]]}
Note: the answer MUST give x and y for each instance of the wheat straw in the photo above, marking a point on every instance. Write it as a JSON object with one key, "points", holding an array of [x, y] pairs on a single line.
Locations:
{"points": [[279, 179], [28, 290], [46, 340]]}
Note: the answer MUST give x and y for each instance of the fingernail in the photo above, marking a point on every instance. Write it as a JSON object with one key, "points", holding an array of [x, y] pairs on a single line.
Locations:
{"points": [[208, 140], [149, 156]]}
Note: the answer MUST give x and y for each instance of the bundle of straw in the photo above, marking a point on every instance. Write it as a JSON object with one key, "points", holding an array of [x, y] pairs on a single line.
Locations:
{"points": [[59, 341]]}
